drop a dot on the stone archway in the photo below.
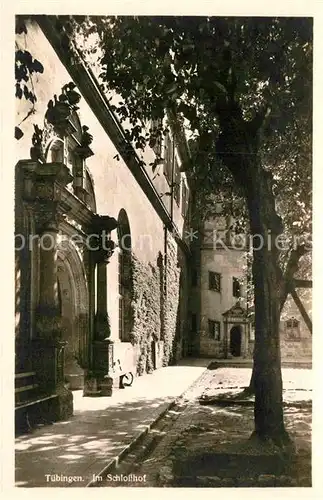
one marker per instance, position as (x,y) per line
(74,308)
(235,340)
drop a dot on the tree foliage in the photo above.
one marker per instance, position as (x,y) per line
(205,69)
(25,66)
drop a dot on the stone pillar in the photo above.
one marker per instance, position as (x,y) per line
(225,339)
(48,308)
(46,196)
(102,326)
(99,381)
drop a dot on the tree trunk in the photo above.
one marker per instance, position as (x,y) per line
(238,143)
(268,410)
(267,378)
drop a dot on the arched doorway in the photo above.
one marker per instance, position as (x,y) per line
(125,277)
(74,309)
(235,340)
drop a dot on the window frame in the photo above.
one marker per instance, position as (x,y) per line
(292,329)
(217,282)
(168,157)
(236,288)
(214,330)
(157,124)
(184,198)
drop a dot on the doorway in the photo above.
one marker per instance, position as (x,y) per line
(235,341)
(73,304)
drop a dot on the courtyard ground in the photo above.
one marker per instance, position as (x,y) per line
(101,430)
(183,449)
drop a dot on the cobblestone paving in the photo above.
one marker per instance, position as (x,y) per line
(190,430)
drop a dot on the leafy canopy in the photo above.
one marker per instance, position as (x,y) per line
(201,69)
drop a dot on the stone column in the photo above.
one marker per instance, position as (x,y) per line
(48,348)
(102,326)
(48,321)
(99,380)
(225,338)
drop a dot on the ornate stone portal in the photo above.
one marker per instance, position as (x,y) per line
(43,189)
(53,190)
(236,332)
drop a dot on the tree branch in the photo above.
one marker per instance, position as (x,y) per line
(292,266)
(303,283)
(302,309)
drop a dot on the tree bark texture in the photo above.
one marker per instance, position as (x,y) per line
(265,227)
(239,152)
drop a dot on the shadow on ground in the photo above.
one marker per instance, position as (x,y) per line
(87,437)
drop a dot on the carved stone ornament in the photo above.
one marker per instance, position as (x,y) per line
(60,109)
(48,217)
(102,225)
(36,151)
(84,151)
(72,95)
(45,191)
(48,177)
(48,326)
(105,252)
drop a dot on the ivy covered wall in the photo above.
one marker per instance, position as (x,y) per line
(159,307)
(146,311)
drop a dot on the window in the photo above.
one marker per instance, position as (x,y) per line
(168,158)
(57,151)
(214,281)
(236,291)
(176,181)
(184,199)
(214,329)
(194,322)
(157,137)
(292,329)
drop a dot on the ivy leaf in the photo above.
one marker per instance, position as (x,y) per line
(18,133)
(37,66)
(26,93)
(19,92)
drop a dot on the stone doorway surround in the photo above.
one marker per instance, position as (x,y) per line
(236,316)
(74,308)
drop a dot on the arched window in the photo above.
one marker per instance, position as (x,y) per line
(55,151)
(68,147)
(292,328)
(125,278)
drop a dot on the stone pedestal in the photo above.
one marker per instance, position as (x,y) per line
(99,381)
(91,385)
(63,405)
(48,362)
(106,385)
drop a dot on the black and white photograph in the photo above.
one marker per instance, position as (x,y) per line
(163,234)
